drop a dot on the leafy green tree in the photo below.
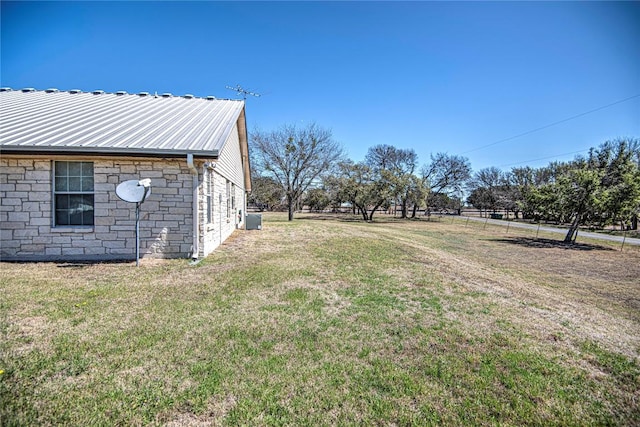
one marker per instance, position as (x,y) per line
(317,199)
(481,198)
(341,185)
(443,202)
(522,179)
(602,188)
(485,187)
(579,193)
(357,183)
(619,161)
(395,169)
(416,194)
(266,193)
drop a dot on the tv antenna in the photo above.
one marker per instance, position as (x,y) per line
(243,91)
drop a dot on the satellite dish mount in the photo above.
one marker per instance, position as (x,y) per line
(135,191)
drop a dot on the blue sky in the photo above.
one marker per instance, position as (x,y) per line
(433,76)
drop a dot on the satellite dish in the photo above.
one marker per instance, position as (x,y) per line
(135,191)
(132,191)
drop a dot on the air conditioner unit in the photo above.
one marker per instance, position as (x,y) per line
(254,222)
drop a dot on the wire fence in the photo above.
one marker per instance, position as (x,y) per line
(503,223)
(536,230)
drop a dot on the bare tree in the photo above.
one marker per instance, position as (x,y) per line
(295,158)
(446,174)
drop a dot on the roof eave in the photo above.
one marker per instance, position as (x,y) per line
(129,151)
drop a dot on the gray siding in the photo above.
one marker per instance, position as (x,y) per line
(230,160)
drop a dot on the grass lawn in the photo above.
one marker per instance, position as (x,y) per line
(330,321)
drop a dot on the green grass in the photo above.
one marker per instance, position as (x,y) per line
(324,323)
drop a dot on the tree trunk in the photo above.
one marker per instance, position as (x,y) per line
(363,211)
(634,222)
(375,208)
(403,210)
(290,204)
(415,209)
(571,234)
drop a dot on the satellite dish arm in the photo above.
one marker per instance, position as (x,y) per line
(146,183)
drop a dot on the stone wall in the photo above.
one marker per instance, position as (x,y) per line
(26,220)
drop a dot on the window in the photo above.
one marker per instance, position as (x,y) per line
(233,197)
(73,193)
(228,199)
(210,188)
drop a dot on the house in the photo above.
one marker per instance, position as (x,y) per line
(63,153)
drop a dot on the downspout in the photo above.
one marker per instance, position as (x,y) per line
(196,239)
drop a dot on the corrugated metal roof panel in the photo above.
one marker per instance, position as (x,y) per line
(115,123)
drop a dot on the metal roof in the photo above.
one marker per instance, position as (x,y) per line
(98,122)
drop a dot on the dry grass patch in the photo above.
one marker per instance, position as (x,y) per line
(329,321)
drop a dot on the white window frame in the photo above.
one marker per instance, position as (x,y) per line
(233,197)
(210,190)
(76,188)
(228,199)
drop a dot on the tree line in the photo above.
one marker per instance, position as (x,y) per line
(304,166)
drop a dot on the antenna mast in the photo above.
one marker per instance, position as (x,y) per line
(244,92)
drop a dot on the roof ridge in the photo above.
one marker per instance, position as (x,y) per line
(53,90)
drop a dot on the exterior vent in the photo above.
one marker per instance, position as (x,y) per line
(5,89)
(143,94)
(211,98)
(97,92)
(74,91)
(121,92)
(52,90)
(28,89)
(166,95)
(187,96)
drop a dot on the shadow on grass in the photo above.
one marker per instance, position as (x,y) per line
(379,219)
(85,263)
(530,242)
(70,264)
(331,217)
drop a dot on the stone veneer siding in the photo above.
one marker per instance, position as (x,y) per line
(26,221)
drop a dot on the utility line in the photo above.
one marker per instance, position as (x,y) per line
(551,124)
(544,158)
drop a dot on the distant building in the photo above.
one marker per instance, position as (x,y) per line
(62,154)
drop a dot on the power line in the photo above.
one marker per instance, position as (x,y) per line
(543,158)
(551,124)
